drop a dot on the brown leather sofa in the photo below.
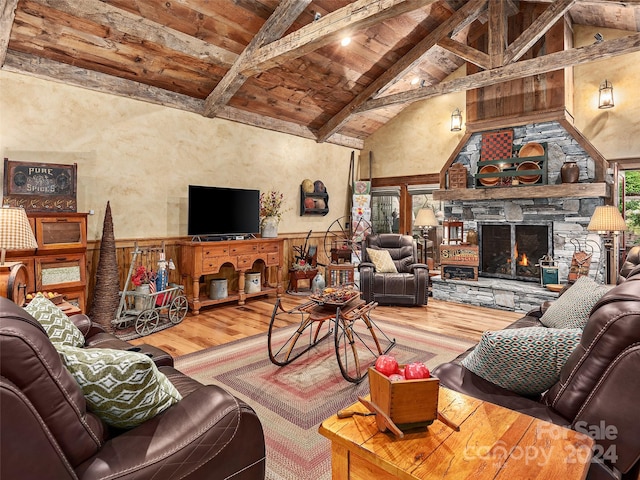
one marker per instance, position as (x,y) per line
(410,286)
(48,433)
(599,386)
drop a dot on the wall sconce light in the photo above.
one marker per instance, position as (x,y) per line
(605,95)
(456,120)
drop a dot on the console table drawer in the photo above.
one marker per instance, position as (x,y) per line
(245,261)
(243,249)
(269,247)
(273,258)
(215,251)
(212,264)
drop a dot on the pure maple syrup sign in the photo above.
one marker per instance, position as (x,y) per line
(40,187)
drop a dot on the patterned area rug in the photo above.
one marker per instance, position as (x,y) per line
(293,400)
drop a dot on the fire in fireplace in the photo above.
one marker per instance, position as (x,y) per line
(513,250)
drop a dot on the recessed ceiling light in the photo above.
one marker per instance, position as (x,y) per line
(345,41)
(415,81)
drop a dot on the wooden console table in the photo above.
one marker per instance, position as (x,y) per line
(493,443)
(207,258)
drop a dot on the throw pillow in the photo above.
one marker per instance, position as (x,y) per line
(123,388)
(61,330)
(572,308)
(382,260)
(524,360)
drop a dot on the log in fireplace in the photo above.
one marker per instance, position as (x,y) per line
(510,250)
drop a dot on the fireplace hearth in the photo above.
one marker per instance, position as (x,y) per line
(512,251)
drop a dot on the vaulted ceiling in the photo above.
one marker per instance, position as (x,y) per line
(280,65)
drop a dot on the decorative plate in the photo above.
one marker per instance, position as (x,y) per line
(489,181)
(531,149)
(524,166)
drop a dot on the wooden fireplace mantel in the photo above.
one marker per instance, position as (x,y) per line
(565,190)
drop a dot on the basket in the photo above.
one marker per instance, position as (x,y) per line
(408,403)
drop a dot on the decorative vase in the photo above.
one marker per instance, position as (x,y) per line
(570,172)
(140,302)
(318,284)
(270,227)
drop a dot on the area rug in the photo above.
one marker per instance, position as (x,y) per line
(293,400)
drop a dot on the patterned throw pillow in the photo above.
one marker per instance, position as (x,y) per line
(382,260)
(572,308)
(123,388)
(61,330)
(524,360)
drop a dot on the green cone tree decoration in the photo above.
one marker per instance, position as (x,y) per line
(106,295)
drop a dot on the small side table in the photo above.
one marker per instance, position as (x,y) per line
(295,275)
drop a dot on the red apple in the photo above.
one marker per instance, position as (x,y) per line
(416,370)
(386,365)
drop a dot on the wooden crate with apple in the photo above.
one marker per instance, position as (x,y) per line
(407,403)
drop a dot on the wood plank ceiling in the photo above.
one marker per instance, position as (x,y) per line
(280,64)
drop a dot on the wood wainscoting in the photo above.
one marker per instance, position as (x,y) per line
(125,248)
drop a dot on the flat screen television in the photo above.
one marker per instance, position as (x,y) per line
(219,211)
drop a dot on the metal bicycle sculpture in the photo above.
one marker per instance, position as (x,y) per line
(356,336)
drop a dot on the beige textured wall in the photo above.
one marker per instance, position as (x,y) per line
(615,132)
(142,157)
(418,140)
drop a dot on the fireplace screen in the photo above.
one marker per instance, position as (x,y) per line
(512,251)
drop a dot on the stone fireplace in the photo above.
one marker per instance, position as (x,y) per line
(535,220)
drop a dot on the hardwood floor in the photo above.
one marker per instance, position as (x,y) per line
(225,323)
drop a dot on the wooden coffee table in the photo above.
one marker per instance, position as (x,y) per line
(493,443)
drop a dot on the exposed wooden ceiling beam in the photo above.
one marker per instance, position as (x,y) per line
(27,64)
(536,30)
(138,27)
(513,71)
(330,28)
(7,15)
(497,32)
(466,52)
(276,25)
(465,15)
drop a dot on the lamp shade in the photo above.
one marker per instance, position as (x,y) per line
(15,231)
(607,218)
(425,218)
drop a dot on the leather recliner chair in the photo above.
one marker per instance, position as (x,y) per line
(598,388)
(410,286)
(632,261)
(47,431)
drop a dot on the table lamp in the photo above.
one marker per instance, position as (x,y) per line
(425,220)
(15,234)
(608,222)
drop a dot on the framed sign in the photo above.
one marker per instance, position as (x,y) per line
(457,272)
(40,187)
(459,255)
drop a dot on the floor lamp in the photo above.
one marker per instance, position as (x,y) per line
(608,222)
(15,234)
(425,220)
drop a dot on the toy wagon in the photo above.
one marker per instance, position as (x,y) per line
(148,302)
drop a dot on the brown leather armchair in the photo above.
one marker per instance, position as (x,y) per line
(598,388)
(47,431)
(407,287)
(632,260)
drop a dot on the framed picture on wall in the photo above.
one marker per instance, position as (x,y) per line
(40,187)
